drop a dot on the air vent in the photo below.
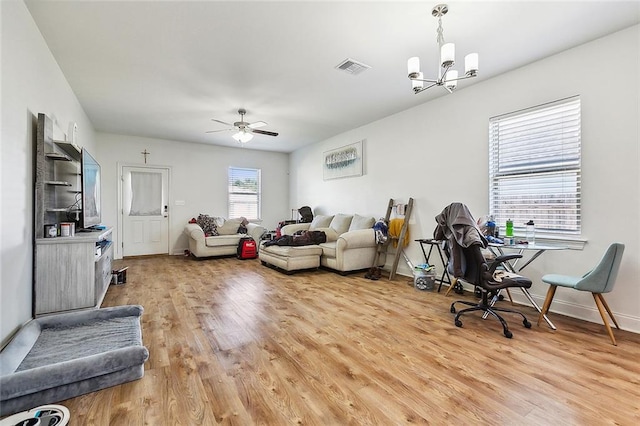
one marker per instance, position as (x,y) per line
(352,67)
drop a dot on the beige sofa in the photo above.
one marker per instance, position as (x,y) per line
(224,244)
(351,245)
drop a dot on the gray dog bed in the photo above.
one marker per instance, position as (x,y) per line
(61,356)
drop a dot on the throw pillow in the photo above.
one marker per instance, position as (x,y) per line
(320,221)
(341,223)
(361,222)
(230,226)
(208,225)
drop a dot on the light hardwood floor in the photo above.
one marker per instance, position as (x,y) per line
(234,342)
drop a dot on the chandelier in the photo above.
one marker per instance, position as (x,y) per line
(447,77)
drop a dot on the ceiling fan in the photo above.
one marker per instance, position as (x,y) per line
(244,130)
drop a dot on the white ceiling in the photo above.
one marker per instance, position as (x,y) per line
(164,69)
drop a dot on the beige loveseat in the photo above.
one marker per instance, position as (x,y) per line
(351,245)
(224,244)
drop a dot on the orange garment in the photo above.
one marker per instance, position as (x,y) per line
(395,227)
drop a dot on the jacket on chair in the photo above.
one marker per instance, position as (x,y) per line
(456,226)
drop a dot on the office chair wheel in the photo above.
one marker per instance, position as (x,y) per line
(526,323)
(453,309)
(508,334)
(458,323)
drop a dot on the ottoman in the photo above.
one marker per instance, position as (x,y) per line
(290,258)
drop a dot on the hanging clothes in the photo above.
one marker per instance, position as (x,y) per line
(382,231)
(395,228)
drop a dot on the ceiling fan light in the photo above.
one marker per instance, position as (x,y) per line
(242,137)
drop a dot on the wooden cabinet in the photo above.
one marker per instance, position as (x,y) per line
(69,273)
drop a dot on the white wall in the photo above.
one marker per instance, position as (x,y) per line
(437,153)
(198,177)
(31,83)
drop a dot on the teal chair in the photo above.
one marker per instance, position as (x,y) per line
(599,280)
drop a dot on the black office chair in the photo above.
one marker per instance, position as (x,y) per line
(479,273)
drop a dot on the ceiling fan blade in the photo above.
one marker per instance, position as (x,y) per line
(264,132)
(221,122)
(216,131)
(257,124)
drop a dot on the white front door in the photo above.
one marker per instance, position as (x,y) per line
(145,215)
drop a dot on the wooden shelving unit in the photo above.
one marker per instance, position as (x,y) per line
(67,273)
(57,179)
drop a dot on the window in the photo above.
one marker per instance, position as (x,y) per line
(534,168)
(244,193)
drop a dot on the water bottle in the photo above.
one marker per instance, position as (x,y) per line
(491,228)
(531,232)
(509,230)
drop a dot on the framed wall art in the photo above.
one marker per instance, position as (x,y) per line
(343,162)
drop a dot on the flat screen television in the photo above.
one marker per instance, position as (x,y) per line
(91,203)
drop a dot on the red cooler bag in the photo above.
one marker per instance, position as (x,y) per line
(247,248)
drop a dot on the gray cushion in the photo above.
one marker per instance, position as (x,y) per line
(329,249)
(320,221)
(230,226)
(293,251)
(341,223)
(62,344)
(223,240)
(361,222)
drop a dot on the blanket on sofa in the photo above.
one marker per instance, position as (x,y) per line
(306,238)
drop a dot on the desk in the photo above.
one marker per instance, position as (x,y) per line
(436,243)
(512,265)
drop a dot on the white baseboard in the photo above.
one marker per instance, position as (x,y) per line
(586,313)
(178,252)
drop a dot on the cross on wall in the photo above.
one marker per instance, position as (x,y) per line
(145,153)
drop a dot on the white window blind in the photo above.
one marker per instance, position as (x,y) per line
(534,168)
(244,193)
